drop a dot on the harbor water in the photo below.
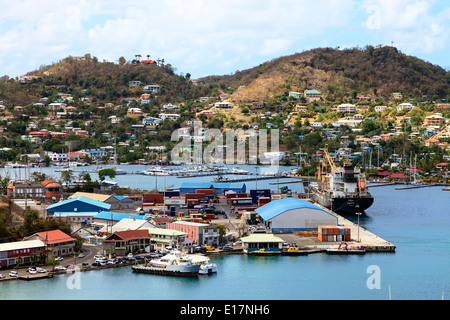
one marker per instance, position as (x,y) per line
(416,221)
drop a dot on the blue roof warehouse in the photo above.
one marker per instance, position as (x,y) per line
(219,187)
(290,215)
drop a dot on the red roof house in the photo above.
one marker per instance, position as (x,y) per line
(58,243)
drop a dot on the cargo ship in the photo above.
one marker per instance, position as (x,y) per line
(343,190)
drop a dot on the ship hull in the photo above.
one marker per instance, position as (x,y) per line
(341,205)
(180,271)
(352,205)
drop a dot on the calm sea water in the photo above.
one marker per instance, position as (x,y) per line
(416,221)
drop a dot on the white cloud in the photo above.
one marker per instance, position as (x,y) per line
(410,24)
(202,36)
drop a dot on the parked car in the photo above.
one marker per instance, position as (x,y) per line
(61,268)
(111,261)
(13,274)
(81,255)
(85,265)
(59,258)
(32,271)
(41,270)
(96,264)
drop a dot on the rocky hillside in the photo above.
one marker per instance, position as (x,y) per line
(339,73)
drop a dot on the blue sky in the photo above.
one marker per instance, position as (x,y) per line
(214,37)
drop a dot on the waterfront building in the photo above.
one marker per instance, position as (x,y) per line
(11,251)
(130,241)
(198,233)
(266,241)
(58,243)
(161,238)
(289,215)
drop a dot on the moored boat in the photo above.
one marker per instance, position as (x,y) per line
(172,264)
(293,251)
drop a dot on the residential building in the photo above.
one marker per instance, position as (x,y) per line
(380,108)
(115,119)
(346,108)
(168,116)
(312,95)
(258,105)
(295,95)
(151,121)
(171,107)
(153,88)
(397,95)
(134,83)
(223,105)
(58,157)
(25,190)
(58,243)
(433,120)
(405,105)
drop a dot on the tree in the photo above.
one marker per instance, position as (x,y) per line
(67,176)
(122,61)
(102,174)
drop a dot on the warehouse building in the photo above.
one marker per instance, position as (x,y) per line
(290,215)
(219,187)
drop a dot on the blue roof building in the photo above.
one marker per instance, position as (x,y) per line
(220,187)
(290,214)
(79,206)
(117,216)
(191,187)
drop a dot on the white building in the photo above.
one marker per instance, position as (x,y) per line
(151,121)
(405,105)
(152,88)
(346,107)
(58,157)
(223,105)
(168,116)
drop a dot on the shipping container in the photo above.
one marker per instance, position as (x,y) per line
(235,195)
(205,191)
(195,196)
(170,194)
(241,201)
(259,193)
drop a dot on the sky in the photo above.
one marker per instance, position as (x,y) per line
(214,37)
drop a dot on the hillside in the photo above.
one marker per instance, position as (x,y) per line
(338,74)
(104,81)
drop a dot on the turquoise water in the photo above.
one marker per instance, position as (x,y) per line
(416,221)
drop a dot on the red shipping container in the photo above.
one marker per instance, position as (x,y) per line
(195,196)
(205,191)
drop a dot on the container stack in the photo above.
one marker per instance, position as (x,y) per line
(333,233)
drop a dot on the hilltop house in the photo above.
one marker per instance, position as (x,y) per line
(312,95)
(152,88)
